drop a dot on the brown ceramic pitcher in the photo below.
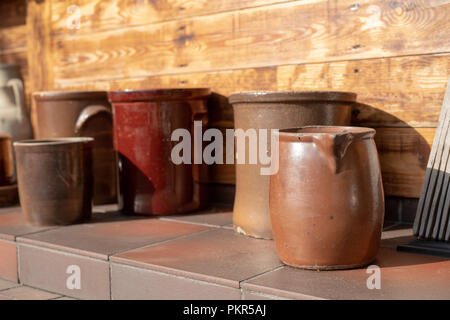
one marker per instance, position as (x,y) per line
(276,110)
(150,182)
(326,200)
(55,180)
(82,114)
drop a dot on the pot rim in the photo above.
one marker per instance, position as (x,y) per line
(291,96)
(66,141)
(69,95)
(357,132)
(162,94)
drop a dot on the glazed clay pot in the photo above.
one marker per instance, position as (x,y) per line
(14,116)
(82,114)
(55,180)
(326,201)
(6,161)
(276,110)
(150,183)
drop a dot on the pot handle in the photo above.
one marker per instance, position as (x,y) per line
(17,87)
(333,148)
(88,113)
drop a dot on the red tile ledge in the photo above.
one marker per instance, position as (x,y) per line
(402,276)
(99,240)
(138,284)
(8,260)
(218,256)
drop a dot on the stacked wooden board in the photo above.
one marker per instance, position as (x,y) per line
(432,219)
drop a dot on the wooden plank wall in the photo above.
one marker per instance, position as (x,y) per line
(394,54)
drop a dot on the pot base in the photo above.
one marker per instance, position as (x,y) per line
(330,268)
(239,230)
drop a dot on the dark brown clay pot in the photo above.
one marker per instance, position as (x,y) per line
(150,183)
(276,110)
(326,201)
(82,114)
(55,180)
(6,161)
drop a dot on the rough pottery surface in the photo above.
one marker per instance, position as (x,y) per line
(326,201)
(276,110)
(55,180)
(150,183)
(82,114)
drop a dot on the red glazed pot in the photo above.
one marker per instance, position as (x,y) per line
(326,201)
(150,183)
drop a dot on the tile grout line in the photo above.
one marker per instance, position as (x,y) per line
(260,274)
(45,290)
(396,224)
(64,249)
(158,243)
(61,249)
(18,262)
(36,232)
(110,279)
(36,288)
(6,289)
(267,295)
(195,223)
(178,276)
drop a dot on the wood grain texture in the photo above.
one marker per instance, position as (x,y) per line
(100,15)
(221,83)
(402,91)
(288,33)
(403,154)
(12,13)
(38,48)
(13,39)
(19,58)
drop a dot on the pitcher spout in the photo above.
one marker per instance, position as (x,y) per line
(333,147)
